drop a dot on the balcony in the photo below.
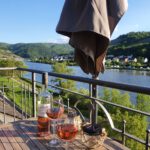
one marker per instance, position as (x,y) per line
(22,113)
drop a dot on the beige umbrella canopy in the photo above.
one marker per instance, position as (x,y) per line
(89,25)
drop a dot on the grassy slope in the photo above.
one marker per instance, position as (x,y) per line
(9,83)
(6,54)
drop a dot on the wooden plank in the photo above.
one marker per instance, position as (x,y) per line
(1,146)
(24,133)
(32,127)
(18,138)
(11,139)
(5,141)
(5,125)
(113,145)
(25,138)
(32,134)
(43,140)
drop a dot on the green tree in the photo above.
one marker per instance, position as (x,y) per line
(63,69)
(10,63)
(143,102)
(115,96)
(135,123)
(68,84)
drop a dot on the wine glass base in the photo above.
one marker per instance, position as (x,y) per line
(54,143)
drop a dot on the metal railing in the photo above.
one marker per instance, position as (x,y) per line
(12,107)
(97,102)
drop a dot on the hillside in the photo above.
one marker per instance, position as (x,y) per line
(36,50)
(6,54)
(134,43)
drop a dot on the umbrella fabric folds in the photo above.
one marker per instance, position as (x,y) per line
(89,25)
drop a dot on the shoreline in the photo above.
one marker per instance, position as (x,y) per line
(119,68)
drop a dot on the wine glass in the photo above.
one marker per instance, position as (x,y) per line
(54,113)
(67,129)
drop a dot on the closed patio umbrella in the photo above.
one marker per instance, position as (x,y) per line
(89,25)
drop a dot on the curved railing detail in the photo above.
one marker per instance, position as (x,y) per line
(107,114)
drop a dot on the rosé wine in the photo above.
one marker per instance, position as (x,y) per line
(43,126)
(55,113)
(67,131)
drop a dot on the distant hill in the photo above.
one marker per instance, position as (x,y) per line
(36,50)
(133,43)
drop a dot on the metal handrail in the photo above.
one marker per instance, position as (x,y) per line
(8,68)
(120,86)
(103,101)
(108,116)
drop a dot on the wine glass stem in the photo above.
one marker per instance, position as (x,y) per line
(53,129)
(67,146)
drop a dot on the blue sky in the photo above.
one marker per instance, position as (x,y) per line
(36,20)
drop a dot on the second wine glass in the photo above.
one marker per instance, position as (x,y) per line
(68,129)
(54,113)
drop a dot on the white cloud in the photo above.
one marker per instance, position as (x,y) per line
(63,39)
(60,39)
(51,41)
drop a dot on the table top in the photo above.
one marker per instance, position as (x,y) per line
(22,135)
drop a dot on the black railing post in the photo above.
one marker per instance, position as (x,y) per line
(94,94)
(45,79)
(14,106)
(90,95)
(90,90)
(123,133)
(68,104)
(25,99)
(22,100)
(29,108)
(147,139)
(34,94)
(3,94)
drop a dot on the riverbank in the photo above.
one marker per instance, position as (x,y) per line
(72,63)
(129,68)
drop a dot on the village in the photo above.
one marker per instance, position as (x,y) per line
(111,61)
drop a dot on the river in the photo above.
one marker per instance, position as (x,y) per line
(134,77)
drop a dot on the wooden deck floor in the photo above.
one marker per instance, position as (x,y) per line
(22,135)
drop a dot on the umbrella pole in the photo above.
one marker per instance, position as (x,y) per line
(94,94)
